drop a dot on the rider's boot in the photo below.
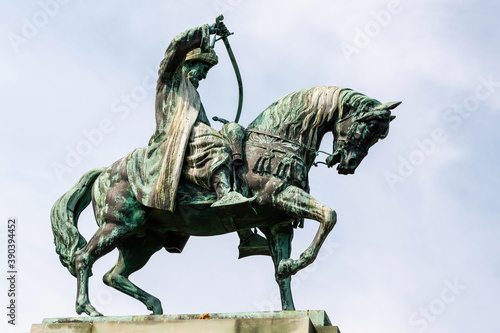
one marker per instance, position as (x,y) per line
(227,200)
(221,183)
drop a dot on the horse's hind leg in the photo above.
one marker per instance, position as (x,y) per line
(299,203)
(280,245)
(134,254)
(119,216)
(107,237)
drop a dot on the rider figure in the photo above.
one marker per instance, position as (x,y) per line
(184,143)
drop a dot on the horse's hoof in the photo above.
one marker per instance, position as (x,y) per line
(89,310)
(158,313)
(285,268)
(155,306)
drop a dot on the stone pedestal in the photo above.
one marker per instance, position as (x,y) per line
(245,322)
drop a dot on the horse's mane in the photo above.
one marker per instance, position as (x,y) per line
(304,111)
(353,101)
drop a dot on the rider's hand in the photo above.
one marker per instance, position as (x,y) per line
(220,29)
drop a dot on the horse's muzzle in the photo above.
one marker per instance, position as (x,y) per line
(348,165)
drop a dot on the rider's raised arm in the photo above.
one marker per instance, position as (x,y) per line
(179,47)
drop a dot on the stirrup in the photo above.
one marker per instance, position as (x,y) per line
(253,246)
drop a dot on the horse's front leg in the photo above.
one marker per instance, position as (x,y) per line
(299,203)
(279,238)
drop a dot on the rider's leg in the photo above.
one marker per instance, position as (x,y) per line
(221,184)
(250,243)
(208,163)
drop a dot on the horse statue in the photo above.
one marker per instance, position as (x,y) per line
(281,145)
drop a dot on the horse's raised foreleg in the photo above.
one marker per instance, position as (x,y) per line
(299,203)
(279,238)
(134,253)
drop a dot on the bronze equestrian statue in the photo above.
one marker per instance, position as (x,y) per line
(194,181)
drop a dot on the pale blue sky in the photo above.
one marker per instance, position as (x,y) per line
(416,246)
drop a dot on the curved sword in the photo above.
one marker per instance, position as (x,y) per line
(235,66)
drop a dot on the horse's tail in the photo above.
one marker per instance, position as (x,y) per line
(64,217)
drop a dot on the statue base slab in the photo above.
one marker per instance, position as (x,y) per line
(314,321)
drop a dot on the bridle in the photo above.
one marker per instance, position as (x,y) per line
(349,140)
(341,143)
(349,136)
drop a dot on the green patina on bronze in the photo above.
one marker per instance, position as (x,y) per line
(158,196)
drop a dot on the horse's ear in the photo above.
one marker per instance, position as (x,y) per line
(388,105)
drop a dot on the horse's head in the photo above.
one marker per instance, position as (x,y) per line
(356,133)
